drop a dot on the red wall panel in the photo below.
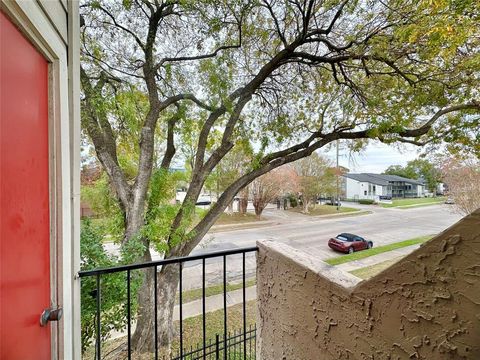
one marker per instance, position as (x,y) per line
(24,204)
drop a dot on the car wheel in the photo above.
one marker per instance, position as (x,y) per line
(370,245)
(351,250)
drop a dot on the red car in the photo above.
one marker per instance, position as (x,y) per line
(349,243)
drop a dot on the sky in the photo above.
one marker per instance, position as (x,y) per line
(375,158)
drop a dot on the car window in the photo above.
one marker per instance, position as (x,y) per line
(342,237)
(358,238)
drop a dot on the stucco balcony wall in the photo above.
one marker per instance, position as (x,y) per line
(427,306)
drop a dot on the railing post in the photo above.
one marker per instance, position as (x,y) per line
(217,348)
(99,327)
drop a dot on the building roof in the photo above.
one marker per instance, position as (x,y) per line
(380,179)
(366,178)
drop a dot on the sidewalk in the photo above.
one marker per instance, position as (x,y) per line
(375,259)
(194,308)
(214,303)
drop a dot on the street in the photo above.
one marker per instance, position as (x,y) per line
(310,234)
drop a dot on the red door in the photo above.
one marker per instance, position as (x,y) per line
(24,203)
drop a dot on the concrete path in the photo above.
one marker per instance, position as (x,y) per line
(194,308)
(214,303)
(375,259)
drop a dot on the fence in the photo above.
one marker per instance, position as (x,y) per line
(236,345)
(240,345)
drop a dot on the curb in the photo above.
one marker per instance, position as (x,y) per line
(352,213)
(239,226)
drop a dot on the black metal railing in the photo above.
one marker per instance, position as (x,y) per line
(221,351)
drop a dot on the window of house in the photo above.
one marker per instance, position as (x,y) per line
(374,189)
(365,192)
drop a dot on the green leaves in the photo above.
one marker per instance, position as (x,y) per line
(113,286)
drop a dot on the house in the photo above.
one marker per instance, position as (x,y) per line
(440,189)
(372,186)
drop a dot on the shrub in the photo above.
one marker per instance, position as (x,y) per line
(293,201)
(366,201)
(113,286)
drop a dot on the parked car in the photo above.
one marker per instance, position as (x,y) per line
(333,202)
(349,243)
(449,201)
(203,200)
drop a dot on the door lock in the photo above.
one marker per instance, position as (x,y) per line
(50,315)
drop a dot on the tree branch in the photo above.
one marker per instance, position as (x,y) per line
(120,26)
(103,140)
(170,151)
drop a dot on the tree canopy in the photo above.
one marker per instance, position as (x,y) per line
(418,169)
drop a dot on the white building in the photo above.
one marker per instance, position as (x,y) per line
(374,186)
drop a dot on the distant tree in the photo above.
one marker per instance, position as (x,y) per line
(243,200)
(463,180)
(267,187)
(316,177)
(418,168)
(399,170)
(232,166)
(423,168)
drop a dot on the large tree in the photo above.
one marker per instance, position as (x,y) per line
(159,72)
(316,178)
(274,184)
(462,176)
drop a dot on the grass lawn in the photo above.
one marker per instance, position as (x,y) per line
(195,294)
(376,250)
(192,334)
(369,271)
(236,218)
(192,327)
(324,210)
(415,201)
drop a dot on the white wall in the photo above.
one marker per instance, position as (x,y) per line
(356,190)
(352,188)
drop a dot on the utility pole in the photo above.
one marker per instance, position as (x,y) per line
(338,174)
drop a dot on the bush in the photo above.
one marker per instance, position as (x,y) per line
(293,201)
(366,201)
(113,286)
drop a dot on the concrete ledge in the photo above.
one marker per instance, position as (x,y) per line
(309,263)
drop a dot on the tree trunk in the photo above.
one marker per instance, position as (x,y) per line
(259,205)
(306,204)
(243,201)
(143,340)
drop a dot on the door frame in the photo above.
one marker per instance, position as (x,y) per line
(64,165)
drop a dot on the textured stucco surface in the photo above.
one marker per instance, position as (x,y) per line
(427,306)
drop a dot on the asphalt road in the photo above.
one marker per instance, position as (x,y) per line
(310,234)
(383,226)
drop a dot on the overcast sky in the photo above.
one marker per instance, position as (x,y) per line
(375,158)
